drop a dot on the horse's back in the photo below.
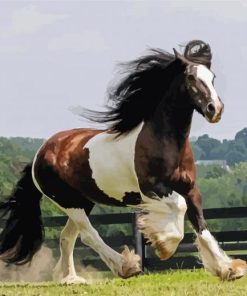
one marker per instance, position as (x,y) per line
(59,150)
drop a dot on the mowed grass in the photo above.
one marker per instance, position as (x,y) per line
(171,283)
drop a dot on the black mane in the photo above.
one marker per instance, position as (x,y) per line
(147,78)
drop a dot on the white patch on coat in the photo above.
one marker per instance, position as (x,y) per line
(64,272)
(163,225)
(112,162)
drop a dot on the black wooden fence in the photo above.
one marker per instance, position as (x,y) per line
(186,255)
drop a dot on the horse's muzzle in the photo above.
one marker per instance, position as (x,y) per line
(214,111)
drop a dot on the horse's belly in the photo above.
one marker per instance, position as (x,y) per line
(112,163)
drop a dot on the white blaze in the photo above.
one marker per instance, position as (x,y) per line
(205,75)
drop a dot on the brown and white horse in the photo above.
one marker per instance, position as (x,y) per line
(143,160)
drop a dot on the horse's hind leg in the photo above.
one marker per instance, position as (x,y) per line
(64,271)
(124,265)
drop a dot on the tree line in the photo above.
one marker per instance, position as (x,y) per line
(233,151)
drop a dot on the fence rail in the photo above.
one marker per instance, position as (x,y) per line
(231,241)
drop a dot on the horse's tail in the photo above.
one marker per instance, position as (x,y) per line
(23,233)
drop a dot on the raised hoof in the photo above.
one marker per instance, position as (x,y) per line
(70,280)
(161,251)
(130,265)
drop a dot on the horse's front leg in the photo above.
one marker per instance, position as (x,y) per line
(214,259)
(162,222)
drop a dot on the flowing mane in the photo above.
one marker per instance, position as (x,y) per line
(146,80)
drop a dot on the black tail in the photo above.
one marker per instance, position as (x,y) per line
(23,233)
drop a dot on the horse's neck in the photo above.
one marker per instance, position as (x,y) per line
(172,121)
(162,141)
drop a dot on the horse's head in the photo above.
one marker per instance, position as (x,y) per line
(199,81)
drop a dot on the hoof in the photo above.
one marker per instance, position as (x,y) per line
(141,273)
(130,266)
(69,280)
(138,273)
(165,244)
(162,251)
(236,270)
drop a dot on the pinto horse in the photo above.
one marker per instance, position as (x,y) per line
(142,160)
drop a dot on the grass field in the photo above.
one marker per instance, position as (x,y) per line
(169,283)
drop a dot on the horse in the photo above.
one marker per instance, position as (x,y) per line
(142,159)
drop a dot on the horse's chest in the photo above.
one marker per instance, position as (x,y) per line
(112,164)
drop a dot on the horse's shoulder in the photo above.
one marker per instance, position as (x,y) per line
(186,155)
(183,177)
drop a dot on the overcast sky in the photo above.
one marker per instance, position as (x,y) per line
(57,55)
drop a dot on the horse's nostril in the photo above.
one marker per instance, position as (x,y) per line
(211,108)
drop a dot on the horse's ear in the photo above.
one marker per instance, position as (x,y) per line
(181,57)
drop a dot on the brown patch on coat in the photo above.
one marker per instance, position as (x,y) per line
(183,177)
(61,166)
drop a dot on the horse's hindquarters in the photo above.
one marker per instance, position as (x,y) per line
(61,165)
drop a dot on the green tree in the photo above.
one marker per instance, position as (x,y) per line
(207,144)
(241,136)
(198,151)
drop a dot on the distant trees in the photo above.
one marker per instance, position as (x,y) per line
(233,151)
(210,171)
(14,154)
(228,189)
(221,188)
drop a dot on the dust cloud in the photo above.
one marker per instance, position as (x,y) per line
(41,269)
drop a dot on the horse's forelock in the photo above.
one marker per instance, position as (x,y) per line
(199,52)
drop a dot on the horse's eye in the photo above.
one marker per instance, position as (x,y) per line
(190,77)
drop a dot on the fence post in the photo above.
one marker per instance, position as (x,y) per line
(139,241)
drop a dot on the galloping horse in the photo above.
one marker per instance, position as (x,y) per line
(142,160)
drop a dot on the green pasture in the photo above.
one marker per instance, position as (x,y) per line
(196,282)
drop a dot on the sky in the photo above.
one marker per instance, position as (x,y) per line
(56,56)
